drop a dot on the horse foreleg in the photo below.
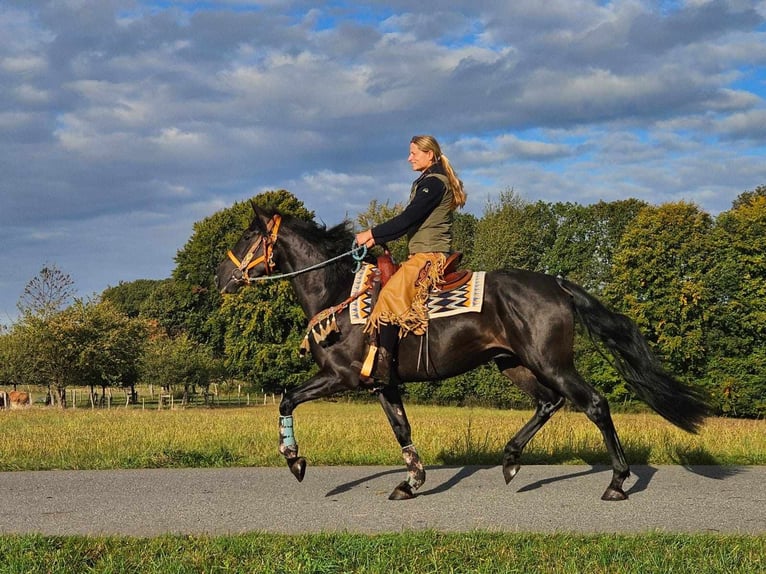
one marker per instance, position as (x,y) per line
(321,385)
(391,400)
(288,447)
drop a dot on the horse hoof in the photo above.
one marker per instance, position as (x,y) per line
(298,467)
(614,494)
(510,471)
(402,492)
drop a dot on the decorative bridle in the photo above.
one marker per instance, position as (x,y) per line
(249,261)
(266,242)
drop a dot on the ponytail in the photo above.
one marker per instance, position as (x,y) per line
(429,143)
(455,185)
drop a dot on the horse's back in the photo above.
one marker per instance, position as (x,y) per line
(524,288)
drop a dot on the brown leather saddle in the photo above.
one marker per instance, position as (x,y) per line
(453,277)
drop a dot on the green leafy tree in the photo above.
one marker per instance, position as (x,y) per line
(129,296)
(586,236)
(513,234)
(193,291)
(178,363)
(262,328)
(737,281)
(87,343)
(178,307)
(463,234)
(658,280)
(748,197)
(111,345)
(14,357)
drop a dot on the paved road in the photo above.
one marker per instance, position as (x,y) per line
(355,499)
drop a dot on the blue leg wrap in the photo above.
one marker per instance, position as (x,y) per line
(286,435)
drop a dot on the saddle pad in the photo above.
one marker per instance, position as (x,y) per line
(467,298)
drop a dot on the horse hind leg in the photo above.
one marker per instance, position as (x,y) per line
(548,402)
(596,408)
(391,400)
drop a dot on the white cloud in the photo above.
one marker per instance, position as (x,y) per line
(143,118)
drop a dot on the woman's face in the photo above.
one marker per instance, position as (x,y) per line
(419,159)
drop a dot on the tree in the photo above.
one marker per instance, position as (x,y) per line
(463,234)
(737,319)
(46,293)
(111,345)
(129,297)
(658,280)
(262,328)
(178,362)
(88,343)
(748,197)
(513,234)
(586,236)
(192,290)
(14,362)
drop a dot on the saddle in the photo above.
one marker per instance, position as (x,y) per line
(453,277)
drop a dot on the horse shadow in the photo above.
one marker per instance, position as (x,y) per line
(697,461)
(644,475)
(461,474)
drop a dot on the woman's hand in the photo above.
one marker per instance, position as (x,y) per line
(365,238)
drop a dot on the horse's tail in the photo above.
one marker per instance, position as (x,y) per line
(680,404)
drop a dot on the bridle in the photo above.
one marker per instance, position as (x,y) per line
(266,242)
(249,261)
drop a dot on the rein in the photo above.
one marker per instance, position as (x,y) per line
(358,252)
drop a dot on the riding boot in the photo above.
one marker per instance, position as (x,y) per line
(384,371)
(385,367)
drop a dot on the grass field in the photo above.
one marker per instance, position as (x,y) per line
(349,433)
(353,433)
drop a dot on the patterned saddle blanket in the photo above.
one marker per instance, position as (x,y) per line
(466,298)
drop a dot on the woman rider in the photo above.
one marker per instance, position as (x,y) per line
(427,222)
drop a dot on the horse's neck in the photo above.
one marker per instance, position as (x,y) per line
(313,289)
(314,294)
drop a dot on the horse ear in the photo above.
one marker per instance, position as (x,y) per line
(260,219)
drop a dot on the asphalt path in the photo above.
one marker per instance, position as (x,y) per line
(355,499)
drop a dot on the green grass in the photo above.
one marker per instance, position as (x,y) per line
(349,433)
(407,552)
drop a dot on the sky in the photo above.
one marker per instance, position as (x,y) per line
(123,122)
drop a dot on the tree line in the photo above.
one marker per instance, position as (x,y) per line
(694,283)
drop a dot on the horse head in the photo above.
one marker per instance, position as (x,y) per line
(252,255)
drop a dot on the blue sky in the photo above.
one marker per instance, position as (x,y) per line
(123,122)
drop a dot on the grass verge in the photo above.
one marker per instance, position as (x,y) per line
(408,552)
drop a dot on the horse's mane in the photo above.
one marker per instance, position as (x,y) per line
(331,242)
(327,242)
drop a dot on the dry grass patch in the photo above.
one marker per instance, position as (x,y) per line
(350,433)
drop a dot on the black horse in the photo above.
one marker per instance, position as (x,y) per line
(526,327)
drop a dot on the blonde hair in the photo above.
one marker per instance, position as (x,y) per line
(429,143)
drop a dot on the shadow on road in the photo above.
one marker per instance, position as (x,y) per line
(341,488)
(554,479)
(642,474)
(461,474)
